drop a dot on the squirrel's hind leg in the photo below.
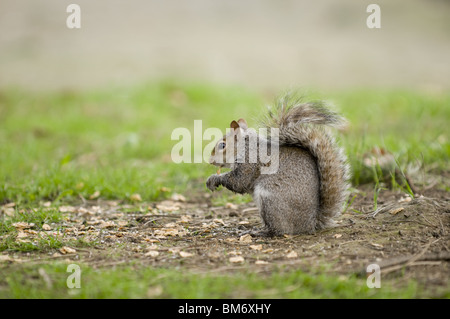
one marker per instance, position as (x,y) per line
(282,215)
(267,207)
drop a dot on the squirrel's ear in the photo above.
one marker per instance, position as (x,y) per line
(243,124)
(234,125)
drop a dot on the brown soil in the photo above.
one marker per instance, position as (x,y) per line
(408,238)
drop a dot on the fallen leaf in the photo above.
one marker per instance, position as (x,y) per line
(152,253)
(136,198)
(4,258)
(170,225)
(107,224)
(219,221)
(96,209)
(256,247)
(261,262)
(185,219)
(395,211)
(95,195)
(151,240)
(268,250)
(66,209)
(244,222)
(84,212)
(236,259)
(67,250)
(185,254)
(122,223)
(23,225)
(292,254)
(178,197)
(405,199)
(245,239)
(231,206)
(166,232)
(46,227)
(337,236)
(209,225)
(168,209)
(21,234)
(23,240)
(8,211)
(95,222)
(376,245)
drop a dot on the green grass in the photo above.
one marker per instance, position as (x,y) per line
(37,216)
(410,125)
(134,281)
(57,146)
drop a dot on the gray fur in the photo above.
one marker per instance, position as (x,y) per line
(311,183)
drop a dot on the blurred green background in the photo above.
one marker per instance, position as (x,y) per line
(57,146)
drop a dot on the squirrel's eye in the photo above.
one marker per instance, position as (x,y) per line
(221,145)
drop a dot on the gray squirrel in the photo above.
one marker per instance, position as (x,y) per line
(308,185)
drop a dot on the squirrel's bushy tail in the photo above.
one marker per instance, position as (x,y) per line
(306,125)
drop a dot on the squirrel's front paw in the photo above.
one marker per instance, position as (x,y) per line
(212,182)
